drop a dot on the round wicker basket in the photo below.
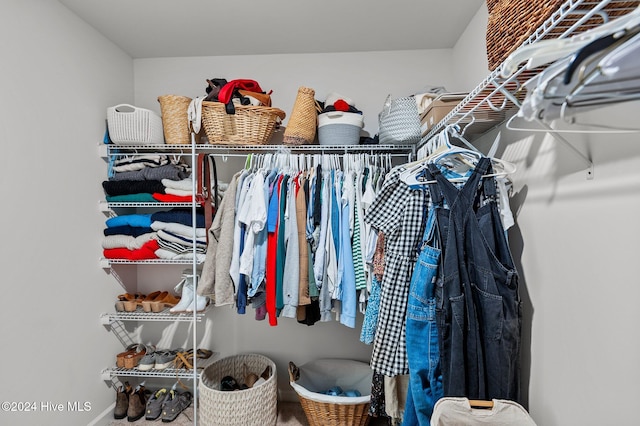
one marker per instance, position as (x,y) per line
(256,406)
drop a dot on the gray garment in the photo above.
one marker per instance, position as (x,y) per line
(168,171)
(215,280)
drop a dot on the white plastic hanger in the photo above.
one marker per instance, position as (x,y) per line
(549,50)
(456,156)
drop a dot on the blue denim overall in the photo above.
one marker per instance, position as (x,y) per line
(423,353)
(478,309)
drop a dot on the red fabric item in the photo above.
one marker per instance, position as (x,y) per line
(146,252)
(341,105)
(170,198)
(226,92)
(270,267)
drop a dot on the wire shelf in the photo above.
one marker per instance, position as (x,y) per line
(140,315)
(230,149)
(169,373)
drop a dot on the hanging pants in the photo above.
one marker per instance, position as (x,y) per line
(423,353)
(478,310)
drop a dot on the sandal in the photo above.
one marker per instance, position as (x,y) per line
(132,359)
(131,349)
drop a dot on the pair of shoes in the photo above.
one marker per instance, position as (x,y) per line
(168,404)
(122,401)
(128,300)
(184,359)
(137,403)
(190,300)
(159,303)
(130,357)
(158,359)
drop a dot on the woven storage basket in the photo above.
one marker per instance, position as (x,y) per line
(324,410)
(175,120)
(257,406)
(128,124)
(250,125)
(301,128)
(512,22)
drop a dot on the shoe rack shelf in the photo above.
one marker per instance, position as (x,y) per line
(168,373)
(111,317)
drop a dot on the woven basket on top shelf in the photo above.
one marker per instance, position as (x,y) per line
(250,125)
(175,119)
(512,22)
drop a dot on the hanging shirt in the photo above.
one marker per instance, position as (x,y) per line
(290,282)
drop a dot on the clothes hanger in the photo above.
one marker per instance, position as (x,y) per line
(480,403)
(459,158)
(549,50)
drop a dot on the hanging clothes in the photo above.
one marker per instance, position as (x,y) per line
(398,212)
(477,301)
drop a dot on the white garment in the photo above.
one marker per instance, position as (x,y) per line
(454,411)
(253,213)
(234,268)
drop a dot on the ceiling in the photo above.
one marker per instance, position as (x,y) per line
(181,28)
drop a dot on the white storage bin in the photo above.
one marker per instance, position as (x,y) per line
(128,124)
(339,128)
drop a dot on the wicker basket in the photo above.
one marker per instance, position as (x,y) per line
(257,406)
(301,128)
(323,410)
(175,121)
(128,124)
(250,125)
(512,22)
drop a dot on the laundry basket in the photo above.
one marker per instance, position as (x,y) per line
(313,379)
(256,406)
(128,124)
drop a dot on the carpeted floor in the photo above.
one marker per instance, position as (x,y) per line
(289,414)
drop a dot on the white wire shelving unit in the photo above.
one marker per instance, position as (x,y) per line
(489,103)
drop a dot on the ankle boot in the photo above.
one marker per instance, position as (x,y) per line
(137,404)
(122,401)
(189,299)
(186,287)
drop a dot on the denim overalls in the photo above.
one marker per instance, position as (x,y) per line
(423,353)
(478,310)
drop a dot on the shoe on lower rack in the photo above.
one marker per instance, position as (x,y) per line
(174,404)
(122,401)
(137,404)
(155,404)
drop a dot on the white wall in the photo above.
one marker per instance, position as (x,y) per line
(575,242)
(57,78)
(365,77)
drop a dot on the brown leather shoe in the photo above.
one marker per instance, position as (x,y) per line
(122,401)
(137,404)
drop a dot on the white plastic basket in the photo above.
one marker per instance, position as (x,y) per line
(128,124)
